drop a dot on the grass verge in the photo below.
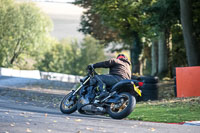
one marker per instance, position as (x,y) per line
(169,111)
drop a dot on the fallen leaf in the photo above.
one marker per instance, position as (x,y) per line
(26,116)
(22,114)
(152,129)
(45,114)
(28,130)
(133,126)
(89,128)
(67,118)
(102,129)
(79,132)
(78,120)
(6,113)
(49,130)
(12,124)
(55,121)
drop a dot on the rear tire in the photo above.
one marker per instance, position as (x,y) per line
(125,109)
(67,109)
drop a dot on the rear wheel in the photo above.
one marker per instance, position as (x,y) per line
(123,108)
(68,105)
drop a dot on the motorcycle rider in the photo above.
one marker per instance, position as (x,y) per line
(119,69)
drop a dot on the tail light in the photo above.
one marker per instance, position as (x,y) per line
(140,83)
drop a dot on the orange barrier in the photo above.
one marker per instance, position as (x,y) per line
(188,81)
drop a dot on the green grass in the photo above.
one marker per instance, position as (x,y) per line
(169,111)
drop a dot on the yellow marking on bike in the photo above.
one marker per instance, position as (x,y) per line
(137,90)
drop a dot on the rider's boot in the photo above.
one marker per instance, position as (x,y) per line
(103,93)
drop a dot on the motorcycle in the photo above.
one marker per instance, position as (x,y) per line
(118,104)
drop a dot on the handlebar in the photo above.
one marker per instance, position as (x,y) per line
(92,71)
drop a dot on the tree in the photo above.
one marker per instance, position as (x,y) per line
(161,16)
(179,58)
(91,23)
(71,57)
(190,39)
(134,21)
(23,26)
(162,54)
(154,57)
(91,52)
(122,18)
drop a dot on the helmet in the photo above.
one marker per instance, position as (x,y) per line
(121,56)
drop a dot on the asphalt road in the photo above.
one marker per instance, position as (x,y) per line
(23,117)
(19,114)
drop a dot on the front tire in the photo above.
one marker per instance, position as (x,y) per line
(124,108)
(68,106)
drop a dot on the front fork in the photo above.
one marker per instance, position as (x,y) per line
(71,99)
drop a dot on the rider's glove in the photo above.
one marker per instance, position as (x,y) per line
(90,67)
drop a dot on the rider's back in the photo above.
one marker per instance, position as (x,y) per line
(120,67)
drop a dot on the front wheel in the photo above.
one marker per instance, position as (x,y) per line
(123,108)
(68,105)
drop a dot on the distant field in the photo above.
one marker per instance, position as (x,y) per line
(66,19)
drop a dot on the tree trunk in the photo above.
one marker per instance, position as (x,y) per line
(162,55)
(154,58)
(135,53)
(192,48)
(16,52)
(170,54)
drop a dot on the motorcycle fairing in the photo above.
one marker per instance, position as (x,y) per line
(126,86)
